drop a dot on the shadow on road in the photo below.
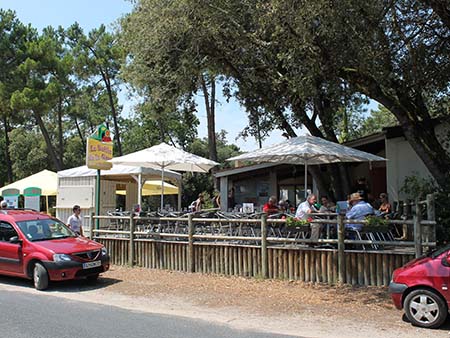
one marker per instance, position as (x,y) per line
(79,285)
(444,327)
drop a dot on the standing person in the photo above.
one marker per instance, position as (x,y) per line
(231,201)
(216,200)
(362,188)
(75,222)
(199,202)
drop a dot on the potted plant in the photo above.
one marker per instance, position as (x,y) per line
(375,224)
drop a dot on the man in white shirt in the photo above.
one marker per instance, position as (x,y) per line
(305,208)
(75,222)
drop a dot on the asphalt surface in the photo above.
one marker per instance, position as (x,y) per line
(25,315)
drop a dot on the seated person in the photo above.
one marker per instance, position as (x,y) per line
(271,207)
(327,205)
(359,209)
(385,207)
(284,206)
(197,204)
(308,207)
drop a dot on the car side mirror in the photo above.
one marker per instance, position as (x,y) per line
(15,240)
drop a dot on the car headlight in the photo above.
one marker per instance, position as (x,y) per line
(61,258)
(104,251)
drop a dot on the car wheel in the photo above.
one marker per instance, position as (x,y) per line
(40,277)
(425,308)
(92,278)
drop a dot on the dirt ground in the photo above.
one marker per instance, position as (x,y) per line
(289,307)
(284,307)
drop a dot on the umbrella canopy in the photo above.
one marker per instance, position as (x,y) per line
(154,187)
(167,157)
(46,180)
(307,150)
(164,156)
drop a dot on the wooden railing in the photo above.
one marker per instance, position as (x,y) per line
(254,249)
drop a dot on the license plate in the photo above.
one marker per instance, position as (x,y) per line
(90,265)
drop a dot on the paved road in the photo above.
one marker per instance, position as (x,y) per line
(25,315)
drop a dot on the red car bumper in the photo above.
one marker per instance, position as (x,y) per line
(396,290)
(58,271)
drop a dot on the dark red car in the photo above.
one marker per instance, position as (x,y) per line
(42,248)
(421,287)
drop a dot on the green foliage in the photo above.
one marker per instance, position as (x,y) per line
(28,153)
(375,224)
(296,222)
(294,64)
(418,187)
(377,120)
(75,152)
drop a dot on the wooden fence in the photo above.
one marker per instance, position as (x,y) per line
(260,254)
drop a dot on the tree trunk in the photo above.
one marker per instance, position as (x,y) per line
(113,112)
(50,148)
(7,144)
(60,133)
(210,115)
(80,134)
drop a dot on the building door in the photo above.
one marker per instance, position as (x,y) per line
(378,181)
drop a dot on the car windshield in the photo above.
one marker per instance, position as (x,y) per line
(438,252)
(44,229)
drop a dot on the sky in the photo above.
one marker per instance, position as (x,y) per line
(230,116)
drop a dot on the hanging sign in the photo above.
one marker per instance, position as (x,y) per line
(11,196)
(99,149)
(32,198)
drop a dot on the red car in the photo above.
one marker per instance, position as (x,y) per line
(421,287)
(42,248)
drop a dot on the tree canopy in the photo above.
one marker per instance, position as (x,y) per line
(304,63)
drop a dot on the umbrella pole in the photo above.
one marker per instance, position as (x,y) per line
(162,189)
(306,180)
(140,190)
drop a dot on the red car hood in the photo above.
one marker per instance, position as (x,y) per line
(417,261)
(69,245)
(420,266)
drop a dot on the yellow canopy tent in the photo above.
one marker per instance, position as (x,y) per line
(46,180)
(154,187)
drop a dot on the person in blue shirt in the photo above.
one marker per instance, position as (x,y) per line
(359,210)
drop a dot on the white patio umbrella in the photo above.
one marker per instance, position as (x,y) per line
(164,156)
(307,150)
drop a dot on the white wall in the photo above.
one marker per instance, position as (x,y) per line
(403,161)
(75,190)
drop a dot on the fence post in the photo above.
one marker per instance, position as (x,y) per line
(91,226)
(191,266)
(431,216)
(131,248)
(264,262)
(341,249)
(417,230)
